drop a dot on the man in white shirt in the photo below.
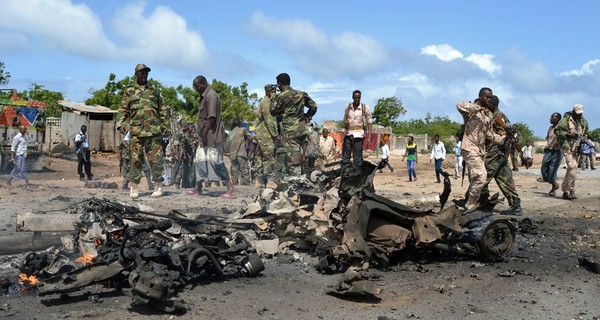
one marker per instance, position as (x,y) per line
(438,152)
(82,146)
(385,156)
(458,158)
(18,153)
(527,154)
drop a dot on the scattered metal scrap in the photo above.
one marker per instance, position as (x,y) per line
(150,259)
(338,216)
(335,215)
(351,225)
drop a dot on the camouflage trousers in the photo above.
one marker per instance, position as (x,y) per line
(289,159)
(477,174)
(568,184)
(265,160)
(240,173)
(497,168)
(126,168)
(153,147)
(513,159)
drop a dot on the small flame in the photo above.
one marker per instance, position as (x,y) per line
(87,258)
(32,280)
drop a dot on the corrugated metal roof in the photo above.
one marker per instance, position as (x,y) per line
(82,107)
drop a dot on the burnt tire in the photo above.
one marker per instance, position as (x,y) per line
(497,240)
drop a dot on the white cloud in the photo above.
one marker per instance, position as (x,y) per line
(586,69)
(323,87)
(346,54)
(444,52)
(447,53)
(160,37)
(484,62)
(60,24)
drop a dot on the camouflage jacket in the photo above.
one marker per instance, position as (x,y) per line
(569,124)
(188,146)
(290,106)
(142,112)
(312,146)
(266,127)
(493,148)
(236,143)
(478,128)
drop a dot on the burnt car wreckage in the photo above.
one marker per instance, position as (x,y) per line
(335,215)
(120,246)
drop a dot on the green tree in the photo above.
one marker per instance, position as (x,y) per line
(38,92)
(430,125)
(594,135)
(4,75)
(189,105)
(237,102)
(110,95)
(525,133)
(387,110)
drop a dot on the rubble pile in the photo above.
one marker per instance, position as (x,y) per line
(335,215)
(150,259)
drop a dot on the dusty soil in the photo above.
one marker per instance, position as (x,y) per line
(540,279)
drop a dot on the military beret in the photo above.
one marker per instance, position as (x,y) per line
(141,67)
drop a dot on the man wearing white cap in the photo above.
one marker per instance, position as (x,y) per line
(570,132)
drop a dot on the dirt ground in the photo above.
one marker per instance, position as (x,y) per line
(540,278)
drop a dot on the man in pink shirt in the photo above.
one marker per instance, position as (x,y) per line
(357,116)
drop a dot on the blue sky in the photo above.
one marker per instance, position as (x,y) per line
(538,57)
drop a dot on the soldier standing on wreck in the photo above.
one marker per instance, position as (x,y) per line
(142,114)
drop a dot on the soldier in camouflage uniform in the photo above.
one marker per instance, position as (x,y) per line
(125,164)
(312,148)
(142,114)
(570,131)
(176,145)
(497,164)
(289,105)
(235,145)
(186,174)
(265,134)
(478,129)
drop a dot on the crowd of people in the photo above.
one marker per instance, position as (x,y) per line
(286,142)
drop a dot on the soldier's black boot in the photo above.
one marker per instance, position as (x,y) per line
(515,209)
(149,180)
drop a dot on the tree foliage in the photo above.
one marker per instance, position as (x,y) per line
(594,135)
(525,133)
(110,95)
(4,75)
(38,92)
(387,110)
(430,125)
(237,102)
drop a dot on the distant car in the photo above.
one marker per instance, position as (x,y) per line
(597,155)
